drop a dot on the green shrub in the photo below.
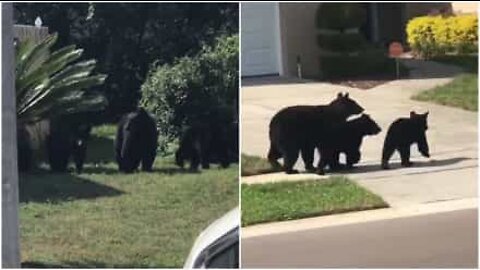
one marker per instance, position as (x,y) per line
(340,16)
(341,42)
(202,88)
(431,36)
(338,25)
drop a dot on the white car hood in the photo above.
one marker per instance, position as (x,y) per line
(214,231)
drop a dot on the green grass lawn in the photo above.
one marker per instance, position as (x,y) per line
(301,199)
(103,218)
(462,92)
(253,165)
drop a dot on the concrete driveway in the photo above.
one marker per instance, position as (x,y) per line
(450,173)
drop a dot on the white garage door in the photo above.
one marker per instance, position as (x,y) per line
(259,39)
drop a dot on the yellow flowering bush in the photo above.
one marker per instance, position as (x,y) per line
(436,35)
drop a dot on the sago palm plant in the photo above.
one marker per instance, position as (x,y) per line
(49,83)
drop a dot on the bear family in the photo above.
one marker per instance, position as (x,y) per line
(136,141)
(401,134)
(68,137)
(207,143)
(300,129)
(348,140)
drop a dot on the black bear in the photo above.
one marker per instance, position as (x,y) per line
(136,141)
(401,134)
(348,139)
(301,128)
(68,137)
(208,143)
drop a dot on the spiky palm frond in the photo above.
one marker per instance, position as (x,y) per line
(50,83)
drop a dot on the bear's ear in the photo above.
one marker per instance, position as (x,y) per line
(339,95)
(426,114)
(412,114)
(346,95)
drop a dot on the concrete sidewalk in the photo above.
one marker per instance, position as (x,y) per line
(450,174)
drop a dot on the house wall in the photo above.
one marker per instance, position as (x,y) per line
(464,7)
(298,38)
(298,31)
(421,9)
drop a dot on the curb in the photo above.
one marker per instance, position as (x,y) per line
(357,217)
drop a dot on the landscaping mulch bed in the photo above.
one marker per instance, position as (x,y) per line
(365,83)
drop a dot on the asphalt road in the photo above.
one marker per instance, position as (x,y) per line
(447,239)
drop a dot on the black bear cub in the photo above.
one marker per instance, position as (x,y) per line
(348,139)
(68,137)
(402,134)
(299,129)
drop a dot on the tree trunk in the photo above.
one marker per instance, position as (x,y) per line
(10,237)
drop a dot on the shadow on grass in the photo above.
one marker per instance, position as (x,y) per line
(100,170)
(55,187)
(89,264)
(171,170)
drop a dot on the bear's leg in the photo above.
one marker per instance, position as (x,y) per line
(225,160)
(130,164)
(274,155)
(386,155)
(423,146)
(290,158)
(205,157)
(223,154)
(179,158)
(334,161)
(148,159)
(405,156)
(307,152)
(194,159)
(79,152)
(205,151)
(326,156)
(353,158)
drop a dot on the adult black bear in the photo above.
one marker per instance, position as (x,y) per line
(68,137)
(136,141)
(208,143)
(301,128)
(348,139)
(402,134)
